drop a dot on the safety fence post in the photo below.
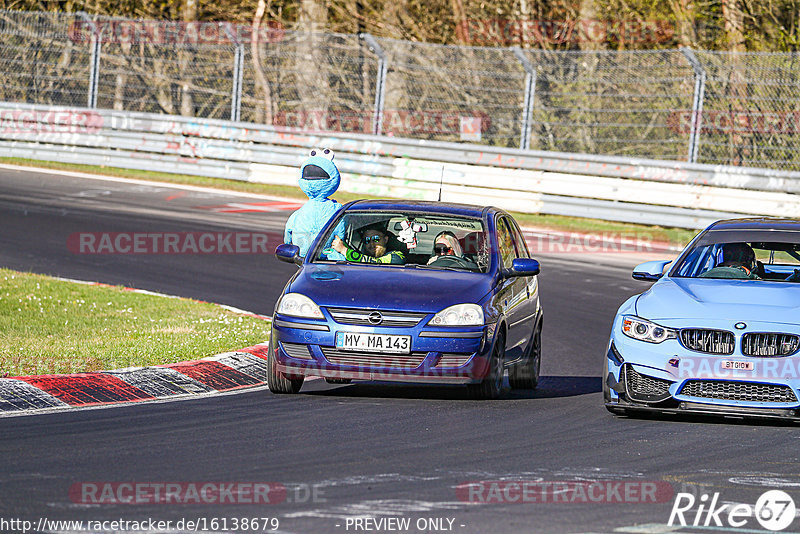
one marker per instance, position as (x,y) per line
(528,100)
(94,61)
(697,103)
(380,82)
(238,68)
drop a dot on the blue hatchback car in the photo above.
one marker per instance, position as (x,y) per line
(719,332)
(412,292)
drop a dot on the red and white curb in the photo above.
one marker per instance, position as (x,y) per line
(226,372)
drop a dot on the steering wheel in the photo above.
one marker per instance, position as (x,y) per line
(453,261)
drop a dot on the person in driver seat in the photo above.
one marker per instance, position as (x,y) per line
(738,262)
(377,242)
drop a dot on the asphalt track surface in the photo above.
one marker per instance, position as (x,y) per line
(360,450)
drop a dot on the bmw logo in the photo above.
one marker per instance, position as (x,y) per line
(740,326)
(375,318)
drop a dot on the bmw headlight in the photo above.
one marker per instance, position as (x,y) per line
(459,315)
(644,330)
(298,305)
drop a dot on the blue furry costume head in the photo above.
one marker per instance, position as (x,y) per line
(319,178)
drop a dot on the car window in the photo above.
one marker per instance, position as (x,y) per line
(519,241)
(505,243)
(775,261)
(411,234)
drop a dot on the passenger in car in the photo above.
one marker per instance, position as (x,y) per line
(376,242)
(445,244)
(447,252)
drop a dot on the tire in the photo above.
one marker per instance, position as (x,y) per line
(489,388)
(525,375)
(277,381)
(338,380)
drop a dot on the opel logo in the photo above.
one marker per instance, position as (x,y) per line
(375,318)
(740,326)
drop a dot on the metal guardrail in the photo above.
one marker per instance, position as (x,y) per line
(618,189)
(694,105)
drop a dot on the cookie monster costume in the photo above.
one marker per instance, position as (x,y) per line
(319,178)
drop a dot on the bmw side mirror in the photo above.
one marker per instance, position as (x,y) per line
(289,253)
(523,267)
(650,271)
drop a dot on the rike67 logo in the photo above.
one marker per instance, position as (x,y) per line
(774,510)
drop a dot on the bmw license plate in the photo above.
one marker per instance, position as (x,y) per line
(373,342)
(737,366)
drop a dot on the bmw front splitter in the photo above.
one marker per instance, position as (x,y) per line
(694,408)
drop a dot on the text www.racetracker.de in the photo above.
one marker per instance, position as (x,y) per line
(198,524)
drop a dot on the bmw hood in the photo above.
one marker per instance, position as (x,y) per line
(699,298)
(389,288)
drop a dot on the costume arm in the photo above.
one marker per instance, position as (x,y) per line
(287,233)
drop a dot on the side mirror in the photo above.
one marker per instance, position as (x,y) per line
(289,253)
(650,271)
(523,267)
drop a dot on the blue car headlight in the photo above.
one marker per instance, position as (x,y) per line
(644,330)
(298,305)
(459,315)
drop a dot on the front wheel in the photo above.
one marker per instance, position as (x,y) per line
(525,375)
(490,387)
(277,381)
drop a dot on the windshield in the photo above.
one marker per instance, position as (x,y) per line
(743,255)
(409,239)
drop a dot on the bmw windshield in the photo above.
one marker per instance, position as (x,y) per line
(772,256)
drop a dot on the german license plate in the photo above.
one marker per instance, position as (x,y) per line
(373,342)
(737,366)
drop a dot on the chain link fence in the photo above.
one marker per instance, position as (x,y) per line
(685,105)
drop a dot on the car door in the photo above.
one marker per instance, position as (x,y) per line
(513,293)
(529,306)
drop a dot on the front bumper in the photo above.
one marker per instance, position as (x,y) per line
(669,379)
(438,355)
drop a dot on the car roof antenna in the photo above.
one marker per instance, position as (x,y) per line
(441,179)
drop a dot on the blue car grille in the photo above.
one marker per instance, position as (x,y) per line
(708,341)
(371,359)
(645,388)
(297,350)
(453,359)
(770,344)
(739,391)
(360,316)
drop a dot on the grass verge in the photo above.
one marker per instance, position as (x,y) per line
(53,326)
(674,236)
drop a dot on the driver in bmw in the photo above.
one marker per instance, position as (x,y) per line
(737,261)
